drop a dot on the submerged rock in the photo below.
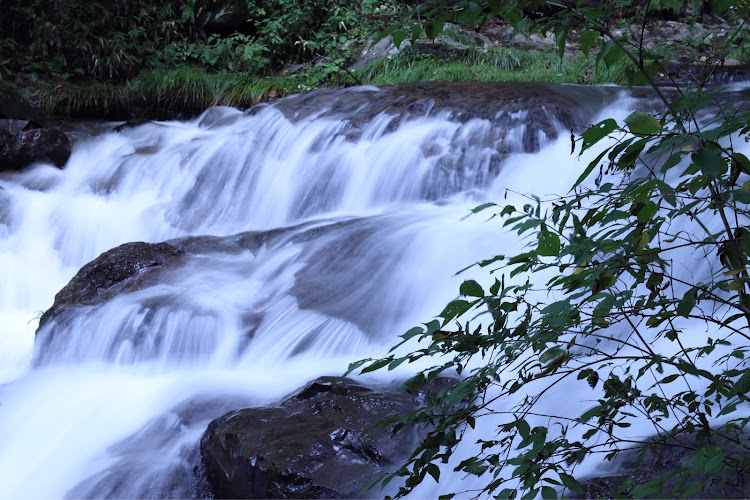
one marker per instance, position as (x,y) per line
(319,443)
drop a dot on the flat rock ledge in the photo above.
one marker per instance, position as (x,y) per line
(319,443)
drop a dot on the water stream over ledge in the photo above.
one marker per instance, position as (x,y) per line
(334,221)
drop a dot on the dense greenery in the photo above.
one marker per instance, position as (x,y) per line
(113,40)
(117,60)
(634,286)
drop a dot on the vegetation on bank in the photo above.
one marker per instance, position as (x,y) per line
(191,90)
(116,60)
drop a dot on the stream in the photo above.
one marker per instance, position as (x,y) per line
(353,207)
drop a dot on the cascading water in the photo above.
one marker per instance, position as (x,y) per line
(331,227)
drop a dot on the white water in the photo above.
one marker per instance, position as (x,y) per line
(115,403)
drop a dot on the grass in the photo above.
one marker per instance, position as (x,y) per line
(497,64)
(191,90)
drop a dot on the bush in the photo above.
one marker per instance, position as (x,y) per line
(635,284)
(114,40)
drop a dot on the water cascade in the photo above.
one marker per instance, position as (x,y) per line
(300,236)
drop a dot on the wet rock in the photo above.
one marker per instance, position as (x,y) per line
(532,108)
(20,149)
(113,272)
(319,443)
(227,22)
(630,469)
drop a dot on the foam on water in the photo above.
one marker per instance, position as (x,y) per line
(358,240)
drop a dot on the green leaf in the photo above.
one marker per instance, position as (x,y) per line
(398,38)
(434,471)
(687,303)
(587,40)
(741,196)
(560,39)
(647,212)
(549,493)
(640,123)
(413,332)
(722,6)
(710,161)
(496,6)
(643,241)
(482,207)
(610,54)
(549,244)
(454,309)
(377,365)
(471,288)
(596,132)
(589,169)
(742,386)
(571,483)
(728,409)
(396,363)
(550,354)
(523,428)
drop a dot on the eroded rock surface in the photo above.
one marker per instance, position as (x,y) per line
(111,273)
(531,108)
(319,443)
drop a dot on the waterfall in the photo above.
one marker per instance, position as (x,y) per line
(313,232)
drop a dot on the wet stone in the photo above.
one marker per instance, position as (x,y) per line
(319,443)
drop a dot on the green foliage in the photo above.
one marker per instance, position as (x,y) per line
(635,283)
(111,40)
(498,64)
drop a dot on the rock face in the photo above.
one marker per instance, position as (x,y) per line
(658,462)
(319,443)
(31,145)
(112,273)
(529,109)
(25,139)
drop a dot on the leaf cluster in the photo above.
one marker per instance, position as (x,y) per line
(634,286)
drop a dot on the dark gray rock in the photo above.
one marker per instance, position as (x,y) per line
(534,107)
(114,272)
(20,149)
(636,467)
(319,443)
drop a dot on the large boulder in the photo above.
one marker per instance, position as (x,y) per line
(25,137)
(319,443)
(30,145)
(125,268)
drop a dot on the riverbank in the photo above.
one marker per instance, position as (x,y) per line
(497,52)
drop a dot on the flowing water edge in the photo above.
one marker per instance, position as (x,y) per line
(357,202)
